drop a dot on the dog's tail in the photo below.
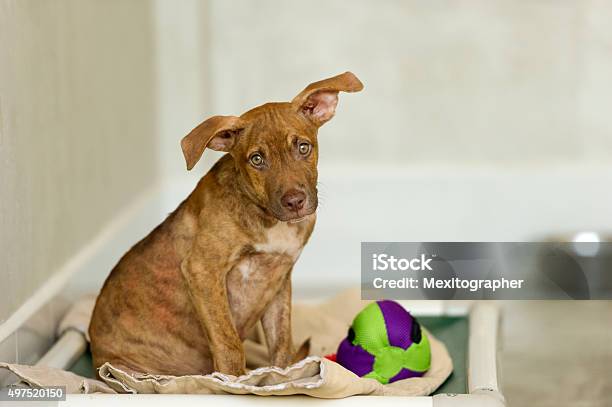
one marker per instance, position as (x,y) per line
(302,352)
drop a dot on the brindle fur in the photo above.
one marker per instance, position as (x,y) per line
(182,300)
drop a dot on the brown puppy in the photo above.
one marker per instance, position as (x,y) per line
(182,300)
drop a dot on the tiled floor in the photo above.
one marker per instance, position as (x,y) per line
(557,353)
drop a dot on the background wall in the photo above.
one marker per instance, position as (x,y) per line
(494,83)
(78,133)
(182,82)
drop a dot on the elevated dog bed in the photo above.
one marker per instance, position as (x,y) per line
(450,330)
(325,324)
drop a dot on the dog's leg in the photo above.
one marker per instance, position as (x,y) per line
(276,323)
(208,291)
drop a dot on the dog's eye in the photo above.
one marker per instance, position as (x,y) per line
(256,159)
(304,148)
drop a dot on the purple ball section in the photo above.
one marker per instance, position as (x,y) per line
(354,358)
(398,322)
(405,374)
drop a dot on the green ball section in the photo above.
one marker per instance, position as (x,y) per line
(371,334)
(370,329)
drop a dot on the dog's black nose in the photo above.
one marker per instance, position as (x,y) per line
(293,200)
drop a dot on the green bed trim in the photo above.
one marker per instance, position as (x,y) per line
(454,333)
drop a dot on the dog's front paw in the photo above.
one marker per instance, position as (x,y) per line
(234,371)
(231,363)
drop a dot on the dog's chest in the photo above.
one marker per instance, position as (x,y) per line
(282,238)
(281,245)
(258,276)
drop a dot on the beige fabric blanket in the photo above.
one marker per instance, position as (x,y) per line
(326,324)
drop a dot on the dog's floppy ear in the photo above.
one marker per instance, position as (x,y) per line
(319,100)
(217,133)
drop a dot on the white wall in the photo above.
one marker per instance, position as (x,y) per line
(183,79)
(77,131)
(494,83)
(78,143)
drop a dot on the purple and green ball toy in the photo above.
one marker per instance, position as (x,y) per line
(385,343)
